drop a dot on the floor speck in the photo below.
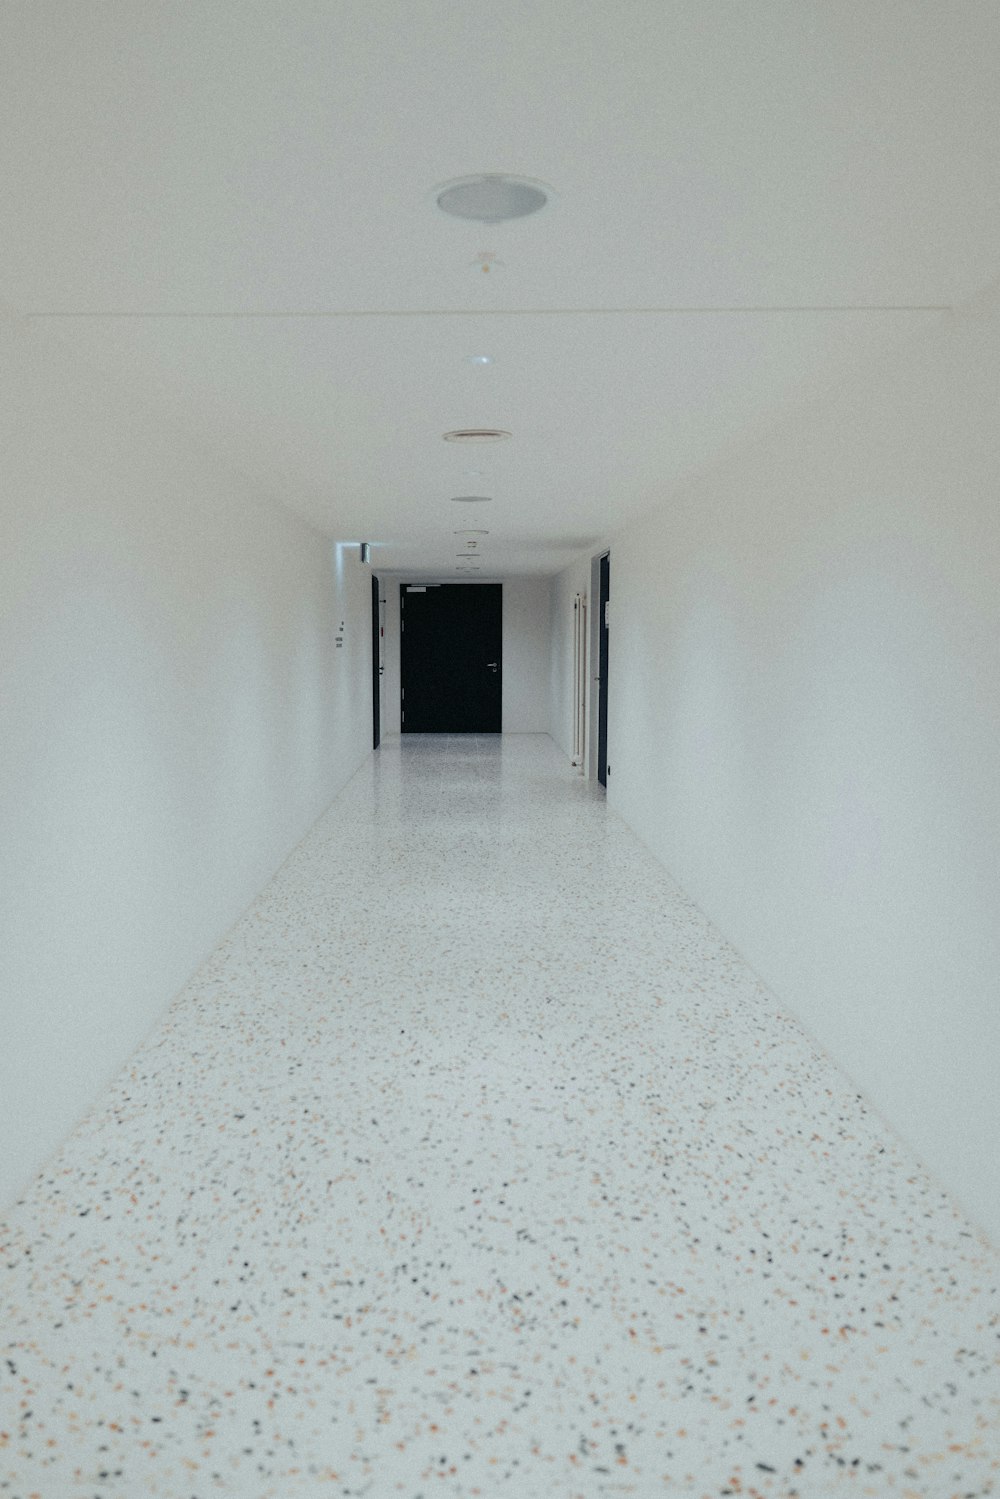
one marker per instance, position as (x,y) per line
(475,1163)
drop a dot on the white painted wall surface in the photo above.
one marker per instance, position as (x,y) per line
(804,722)
(390,588)
(526,655)
(175,716)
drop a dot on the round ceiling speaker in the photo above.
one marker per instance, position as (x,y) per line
(476,434)
(491,197)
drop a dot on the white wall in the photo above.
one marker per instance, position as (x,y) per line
(176,714)
(390,592)
(525,654)
(805,720)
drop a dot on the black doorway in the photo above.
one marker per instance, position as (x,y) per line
(376,667)
(602,700)
(450,662)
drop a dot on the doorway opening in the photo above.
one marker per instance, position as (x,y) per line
(451,668)
(604,610)
(378,665)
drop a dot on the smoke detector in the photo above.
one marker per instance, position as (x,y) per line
(491,197)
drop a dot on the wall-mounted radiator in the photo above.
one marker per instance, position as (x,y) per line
(580,681)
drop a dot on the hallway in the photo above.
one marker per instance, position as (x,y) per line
(474,1162)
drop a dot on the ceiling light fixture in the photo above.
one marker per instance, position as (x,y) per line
(491,197)
(477,434)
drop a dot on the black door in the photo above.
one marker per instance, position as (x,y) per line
(450,666)
(376,666)
(602,698)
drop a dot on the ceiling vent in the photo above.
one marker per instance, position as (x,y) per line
(476,434)
(491,197)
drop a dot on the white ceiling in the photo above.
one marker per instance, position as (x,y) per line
(228,203)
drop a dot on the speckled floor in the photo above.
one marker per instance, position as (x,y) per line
(474,1162)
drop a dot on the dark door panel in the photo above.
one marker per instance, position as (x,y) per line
(376,666)
(602,704)
(451,670)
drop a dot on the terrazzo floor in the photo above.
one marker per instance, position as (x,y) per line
(474,1162)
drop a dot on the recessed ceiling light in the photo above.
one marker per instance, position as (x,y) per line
(491,197)
(471,499)
(477,434)
(479,359)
